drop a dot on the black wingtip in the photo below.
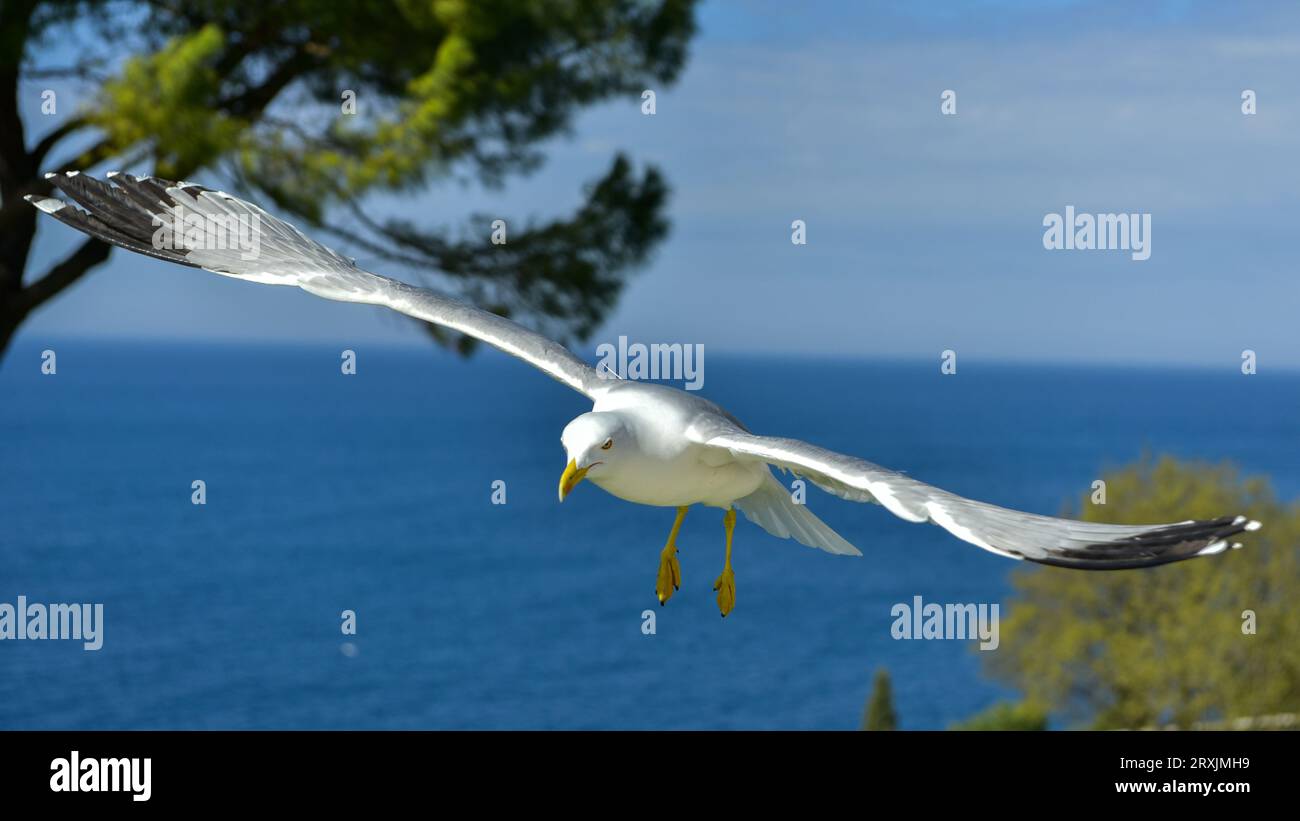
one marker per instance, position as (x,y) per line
(1161,545)
(121,213)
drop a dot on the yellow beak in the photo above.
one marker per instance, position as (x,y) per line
(571,477)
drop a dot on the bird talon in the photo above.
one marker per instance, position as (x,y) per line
(725,587)
(670,570)
(670,575)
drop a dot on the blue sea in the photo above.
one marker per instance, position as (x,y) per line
(373,493)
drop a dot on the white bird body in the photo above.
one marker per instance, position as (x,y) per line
(648,444)
(665,468)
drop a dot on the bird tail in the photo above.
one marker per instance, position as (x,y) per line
(772,508)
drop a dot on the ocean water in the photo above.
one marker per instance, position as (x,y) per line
(372,493)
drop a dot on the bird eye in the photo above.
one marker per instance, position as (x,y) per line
(609,443)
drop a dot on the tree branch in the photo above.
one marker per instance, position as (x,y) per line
(89,254)
(14,204)
(255,99)
(49,140)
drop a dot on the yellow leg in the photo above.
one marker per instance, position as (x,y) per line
(726,583)
(670,572)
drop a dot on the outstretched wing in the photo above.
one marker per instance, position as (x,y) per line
(196,226)
(1010,533)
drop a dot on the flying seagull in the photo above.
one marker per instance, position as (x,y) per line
(645,443)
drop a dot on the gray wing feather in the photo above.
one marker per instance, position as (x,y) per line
(1010,533)
(128,211)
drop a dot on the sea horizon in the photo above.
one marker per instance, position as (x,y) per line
(373,493)
(587,352)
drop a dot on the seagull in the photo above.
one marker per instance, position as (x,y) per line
(645,443)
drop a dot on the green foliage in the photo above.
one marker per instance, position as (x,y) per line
(159,99)
(880,714)
(448,90)
(1006,716)
(1136,648)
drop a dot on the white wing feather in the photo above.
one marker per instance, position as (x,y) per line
(1010,533)
(130,210)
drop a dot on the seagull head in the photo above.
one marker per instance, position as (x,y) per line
(595,443)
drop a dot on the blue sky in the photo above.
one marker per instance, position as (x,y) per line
(924,231)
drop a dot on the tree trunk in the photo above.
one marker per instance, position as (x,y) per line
(7,327)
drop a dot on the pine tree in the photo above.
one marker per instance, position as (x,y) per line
(313,106)
(880,714)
